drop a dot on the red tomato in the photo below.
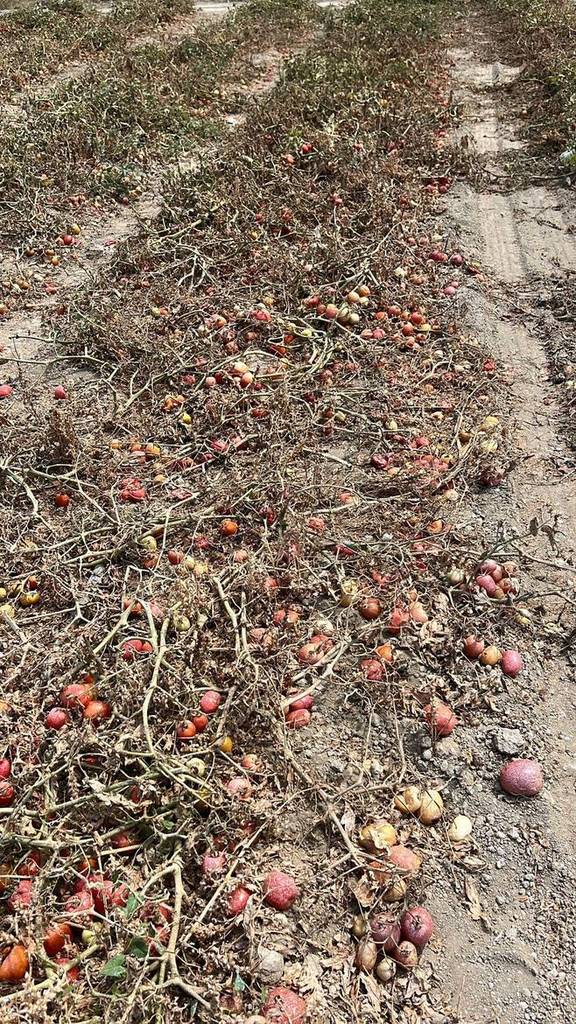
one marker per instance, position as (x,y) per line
(186,731)
(14,965)
(210,701)
(79,906)
(73,973)
(97,711)
(7,793)
(57,718)
(31,866)
(106,894)
(56,937)
(228,528)
(77,694)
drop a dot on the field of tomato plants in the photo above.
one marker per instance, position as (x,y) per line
(238,587)
(35,39)
(544,38)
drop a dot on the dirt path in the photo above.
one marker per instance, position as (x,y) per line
(516,966)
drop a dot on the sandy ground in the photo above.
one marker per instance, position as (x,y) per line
(515,964)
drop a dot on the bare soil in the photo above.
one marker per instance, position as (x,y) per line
(515,964)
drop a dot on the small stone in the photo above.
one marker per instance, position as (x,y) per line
(269,965)
(449,747)
(509,741)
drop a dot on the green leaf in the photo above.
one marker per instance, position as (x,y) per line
(115,967)
(138,947)
(132,904)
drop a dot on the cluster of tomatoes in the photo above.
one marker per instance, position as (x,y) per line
(85,904)
(79,697)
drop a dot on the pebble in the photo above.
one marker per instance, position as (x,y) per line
(270,964)
(509,741)
(449,747)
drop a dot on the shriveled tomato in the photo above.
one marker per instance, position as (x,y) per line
(79,906)
(22,896)
(7,793)
(77,694)
(106,894)
(72,973)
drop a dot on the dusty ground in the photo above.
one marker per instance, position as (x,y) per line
(516,965)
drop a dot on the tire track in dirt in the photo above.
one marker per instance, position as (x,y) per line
(517,968)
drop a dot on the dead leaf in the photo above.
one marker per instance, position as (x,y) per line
(373,991)
(473,898)
(441,603)
(348,820)
(472,863)
(475,907)
(362,890)
(108,798)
